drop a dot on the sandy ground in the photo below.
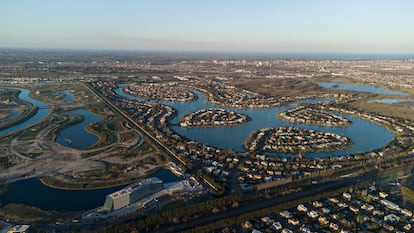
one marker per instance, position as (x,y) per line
(40,156)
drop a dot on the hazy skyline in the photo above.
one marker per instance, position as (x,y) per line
(318,26)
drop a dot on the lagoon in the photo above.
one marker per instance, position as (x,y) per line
(366,135)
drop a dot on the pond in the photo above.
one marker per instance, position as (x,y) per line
(32,192)
(361,88)
(67,95)
(390,101)
(77,136)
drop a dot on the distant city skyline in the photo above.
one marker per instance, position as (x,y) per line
(296,26)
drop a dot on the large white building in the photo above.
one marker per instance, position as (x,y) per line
(132,193)
(19,229)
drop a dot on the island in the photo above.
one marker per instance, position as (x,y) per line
(311,116)
(163,92)
(213,118)
(289,139)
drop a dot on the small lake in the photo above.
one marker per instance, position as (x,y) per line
(365,135)
(166,175)
(390,101)
(39,115)
(67,95)
(32,192)
(76,136)
(361,88)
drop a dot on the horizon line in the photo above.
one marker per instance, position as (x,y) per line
(290,54)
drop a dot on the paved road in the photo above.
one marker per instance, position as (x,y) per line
(154,140)
(261,204)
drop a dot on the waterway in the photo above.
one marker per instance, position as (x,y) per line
(76,136)
(39,115)
(366,135)
(361,88)
(32,192)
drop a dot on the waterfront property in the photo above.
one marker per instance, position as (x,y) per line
(233,137)
(212,118)
(165,92)
(132,193)
(288,139)
(307,115)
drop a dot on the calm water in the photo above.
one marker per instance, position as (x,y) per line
(76,136)
(68,97)
(32,192)
(361,88)
(166,176)
(391,101)
(366,135)
(40,114)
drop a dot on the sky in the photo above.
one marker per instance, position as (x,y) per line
(286,26)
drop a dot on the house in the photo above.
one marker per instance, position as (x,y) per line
(388,227)
(390,205)
(293,221)
(277,226)
(313,214)
(333,200)
(354,209)
(391,218)
(383,195)
(333,226)
(347,196)
(378,212)
(305,229)
(317,204)
(407,213)
(266,220)
(367,207)
(407,227)
(302,208)
(247,225)
(285,214)
(323,220)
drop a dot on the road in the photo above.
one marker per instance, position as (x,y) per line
(262,204)
(154,140)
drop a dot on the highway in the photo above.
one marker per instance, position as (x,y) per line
(265,203)
(154,140)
